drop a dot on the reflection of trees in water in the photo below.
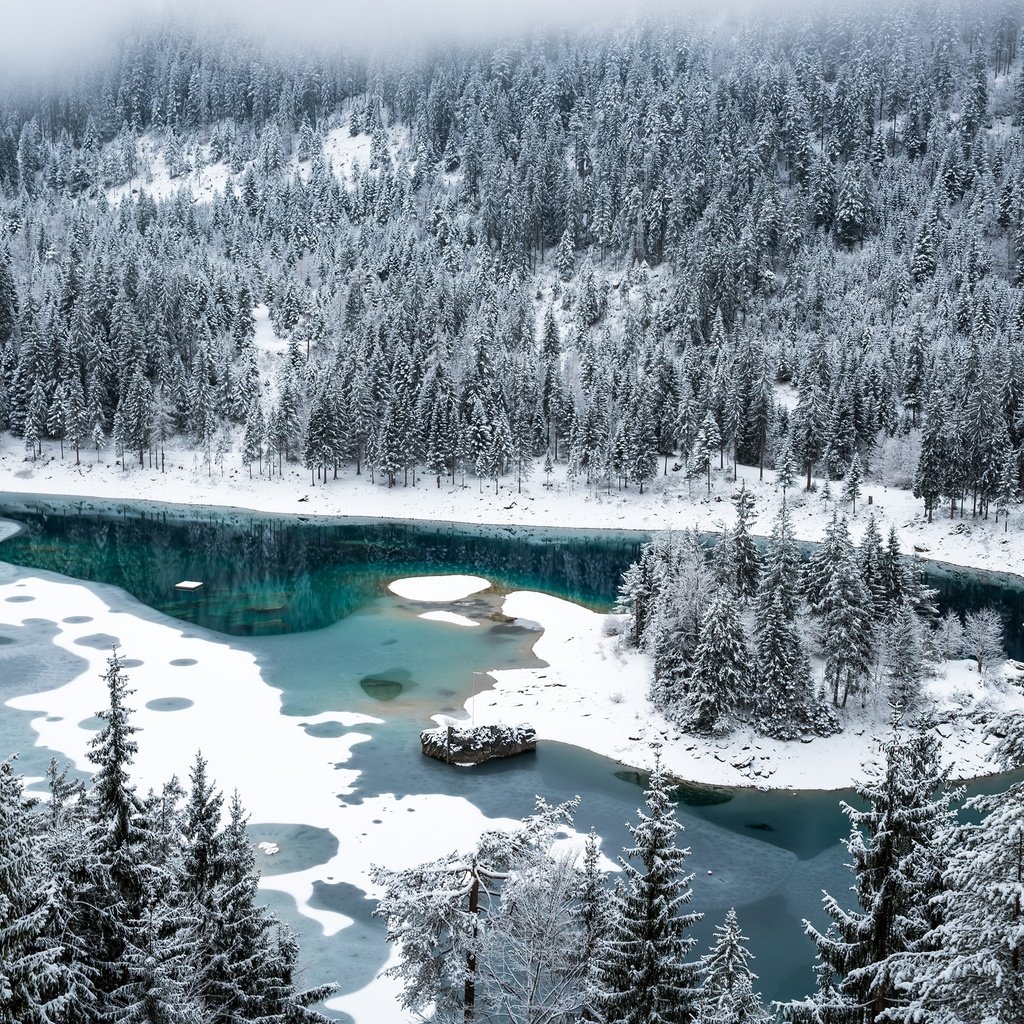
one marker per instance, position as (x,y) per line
(270,574)
(276,574)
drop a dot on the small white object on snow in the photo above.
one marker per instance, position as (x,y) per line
(268,848)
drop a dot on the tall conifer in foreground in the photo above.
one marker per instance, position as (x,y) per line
(862,955)
(643,973)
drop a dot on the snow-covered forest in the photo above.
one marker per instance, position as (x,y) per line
(117,905)
(793,245)
(862,612)
(788,240)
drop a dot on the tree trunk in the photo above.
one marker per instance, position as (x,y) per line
(469,995)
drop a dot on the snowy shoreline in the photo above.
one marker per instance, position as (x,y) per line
(670,502)
(589,670)
(592,693)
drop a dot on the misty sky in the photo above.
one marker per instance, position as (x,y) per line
(53,30)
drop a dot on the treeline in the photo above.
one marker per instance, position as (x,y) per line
(517,929)
(120,907)
(607,250)
(732,630)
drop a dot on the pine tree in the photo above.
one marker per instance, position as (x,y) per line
(727,995)
(32,982)
(905,658)
(785,466)
(1007,488)
(706,446)
(969,965)
(744,558)
(565,258)
(252,438)
(851,485)
(643,976)
(933,470)
(718,683)
(117,835)
(9,307)
(865,951)
(840,602)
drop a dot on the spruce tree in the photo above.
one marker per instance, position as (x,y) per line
(720,662)
(851,485)
(865,950)
(744,558)
(841,604)
(32,982)
(727,995)
(969,966)
(643,974)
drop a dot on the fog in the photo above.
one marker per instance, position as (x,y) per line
(55,32)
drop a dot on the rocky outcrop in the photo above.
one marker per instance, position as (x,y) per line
(461,744)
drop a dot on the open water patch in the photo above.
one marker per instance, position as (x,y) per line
(98,641)
(169,704)
(298,847)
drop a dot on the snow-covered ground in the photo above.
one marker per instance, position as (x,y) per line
(669,502)
(286,775)
(206,179)
(593,694)
(438,588)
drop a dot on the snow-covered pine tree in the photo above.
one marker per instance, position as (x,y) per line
(719,684)
(852,483)
(643,973)
(246,967)
(727,995)
(864,953)
(705,446)
(842,606)
(904,644)
(33,983)
(968,969)
(744,558)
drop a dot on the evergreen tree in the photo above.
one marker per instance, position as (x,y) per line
(727,995)
(32,982)
(744,559)
(720,662)
(840,602)
(643,975)
(967,968)
(861,953)
(851,485)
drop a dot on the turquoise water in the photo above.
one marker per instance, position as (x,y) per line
(266,575)
(309,601)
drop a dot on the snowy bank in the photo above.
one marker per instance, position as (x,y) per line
(593,694)
(669,502)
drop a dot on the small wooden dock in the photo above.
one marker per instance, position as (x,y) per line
(188,585)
